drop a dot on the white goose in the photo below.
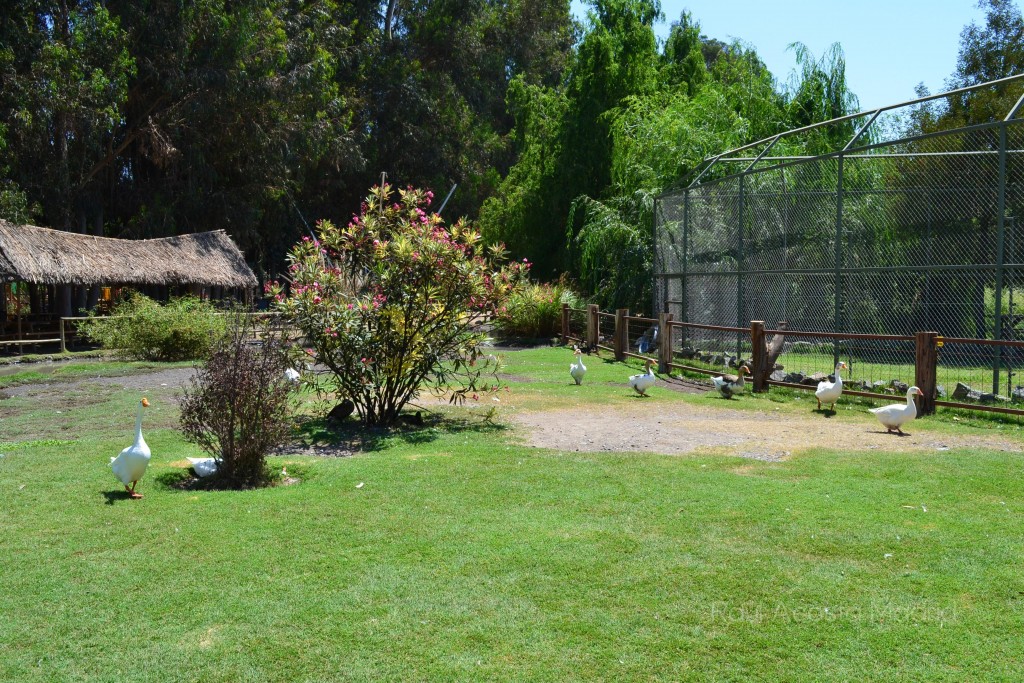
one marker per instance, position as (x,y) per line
(292,376)
(204,467)
(641,383)
(578,369)
(893,416)
(730,385)
(131,464)
(829,392)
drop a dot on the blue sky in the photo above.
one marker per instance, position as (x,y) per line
(890,46)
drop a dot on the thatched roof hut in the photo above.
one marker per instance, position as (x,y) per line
(54,257)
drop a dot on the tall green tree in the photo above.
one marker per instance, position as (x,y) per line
(65,70)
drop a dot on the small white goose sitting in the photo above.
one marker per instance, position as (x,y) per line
(204,467)
(641,383)
(829,392)
(578,369)
(893,416)
(131,464)
(292,376)
(730,385)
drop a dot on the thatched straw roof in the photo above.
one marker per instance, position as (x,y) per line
(54,257)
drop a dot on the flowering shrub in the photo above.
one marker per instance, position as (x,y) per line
(387,303)
(535,310)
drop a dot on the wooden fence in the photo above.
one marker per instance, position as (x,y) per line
(584,327)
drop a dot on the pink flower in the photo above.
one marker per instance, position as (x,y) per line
(475,397)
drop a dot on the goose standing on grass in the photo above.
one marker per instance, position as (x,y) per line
(730,385)
(641,383)
(131,464)
(829,392)
(893,416)
(578,369)
(292,376)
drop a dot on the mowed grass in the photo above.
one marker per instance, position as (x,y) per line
(465,556)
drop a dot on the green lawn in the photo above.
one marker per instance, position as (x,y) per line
(465,556)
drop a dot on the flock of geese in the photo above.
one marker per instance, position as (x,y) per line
(892,417)
(130,465)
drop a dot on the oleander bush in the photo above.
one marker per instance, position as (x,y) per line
(389,304)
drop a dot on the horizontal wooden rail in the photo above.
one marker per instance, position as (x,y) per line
(653,321)
(982,342)
(691,368)
(851,392)
(28,342)
(975,406)
(843,335)
(717,328)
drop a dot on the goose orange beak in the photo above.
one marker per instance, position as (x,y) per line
(145,402)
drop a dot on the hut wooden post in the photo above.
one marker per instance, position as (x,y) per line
(665,344)
(63,341)
(21,348)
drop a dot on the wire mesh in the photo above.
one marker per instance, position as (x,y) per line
(642,336)
(711,351)
(900,234)
(878,366)
(577,325)
(606,331)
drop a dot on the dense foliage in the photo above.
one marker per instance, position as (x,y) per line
(143,329)
(388,303)
(534,311)
(237,407)
(151,118)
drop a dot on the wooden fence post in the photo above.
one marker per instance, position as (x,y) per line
(926,357)
(592,327)
(621,336)
(759,357)
(63,342)
(664,342)
(565,324)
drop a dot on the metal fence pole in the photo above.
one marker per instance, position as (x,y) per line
(838,320)
(684,281)
(997,330)
(740,267)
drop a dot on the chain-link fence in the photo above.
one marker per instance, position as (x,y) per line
(886,235)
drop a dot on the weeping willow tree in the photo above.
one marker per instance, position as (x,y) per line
(656,140)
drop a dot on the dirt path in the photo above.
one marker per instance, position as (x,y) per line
(171,378)
(673,429)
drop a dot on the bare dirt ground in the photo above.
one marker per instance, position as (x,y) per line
(673,429)
(649,426)
(171,378)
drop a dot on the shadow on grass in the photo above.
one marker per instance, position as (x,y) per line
(115,496)
(317,436)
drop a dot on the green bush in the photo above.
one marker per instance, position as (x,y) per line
(141,328)
(534,311)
